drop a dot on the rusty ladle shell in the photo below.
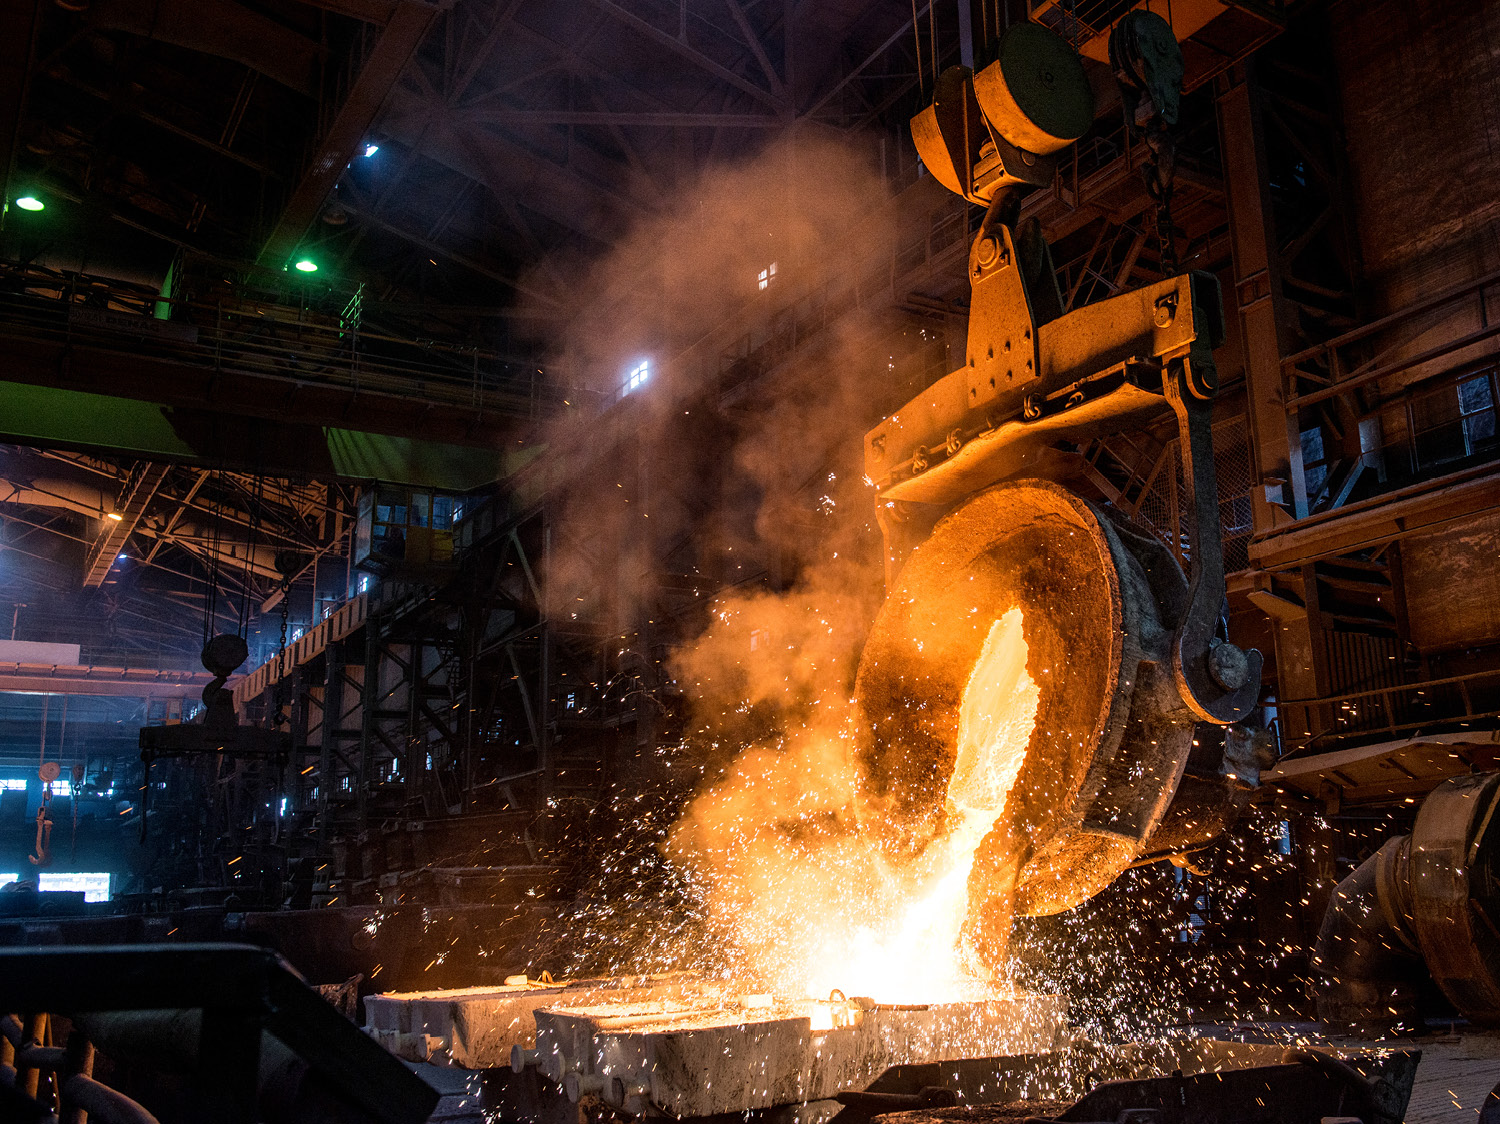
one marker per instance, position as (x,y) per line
(1112,735)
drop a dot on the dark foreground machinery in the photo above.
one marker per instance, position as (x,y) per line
(215,1032)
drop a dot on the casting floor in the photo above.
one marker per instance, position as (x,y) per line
(1456,1074)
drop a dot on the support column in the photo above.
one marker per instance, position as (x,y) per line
(1275,439)
(333,713)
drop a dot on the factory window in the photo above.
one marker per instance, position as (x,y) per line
(1476,402)
(364,583)
(13,784)
(1454,422)
(95,886)
(637,377)
(401,531)
(767,275)
(1314,461)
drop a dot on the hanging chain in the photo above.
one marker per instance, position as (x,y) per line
(1158,172)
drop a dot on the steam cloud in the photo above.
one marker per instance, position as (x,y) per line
(779,843)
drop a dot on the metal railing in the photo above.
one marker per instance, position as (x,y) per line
(1385,349)
(1358,358)
(264,340)
(1393,711)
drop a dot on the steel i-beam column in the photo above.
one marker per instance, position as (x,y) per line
(1275,440)
(333,712)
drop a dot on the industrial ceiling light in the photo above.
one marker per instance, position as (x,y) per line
(307,265)
(114,515)
(30,203)
(371,149)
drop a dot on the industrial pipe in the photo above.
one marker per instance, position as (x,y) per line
(1366,954)
(103,1104)
(1428,897)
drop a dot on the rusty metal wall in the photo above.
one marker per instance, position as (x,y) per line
(1453,585)
(1420,86)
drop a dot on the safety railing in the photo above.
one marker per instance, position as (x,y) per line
(1394,349)
(1383,348)
(1390,711)
(264,340)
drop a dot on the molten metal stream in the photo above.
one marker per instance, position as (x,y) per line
(909,947)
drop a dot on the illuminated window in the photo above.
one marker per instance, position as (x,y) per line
(364,583)
(95,886)
(767,275)
(637,377)
(13,784)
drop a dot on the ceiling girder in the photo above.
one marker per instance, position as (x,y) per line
(526,117)
(393,48)
(560,193)
(17,46)
(681,48)
(219,28)
(869,61)
(113,533)
(752,40)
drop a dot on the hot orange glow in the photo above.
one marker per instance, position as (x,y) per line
(797,874)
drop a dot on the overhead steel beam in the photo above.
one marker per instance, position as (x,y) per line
(691,54)
(377,12)
(867,63)
(559,193)
(115,531)
(118,682)
(752,40)
(219,28)
(397,42)
(516,117)
(416,238)
(461,84)
(134,109)
(23,19)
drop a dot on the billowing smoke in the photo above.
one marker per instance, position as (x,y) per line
(777,857)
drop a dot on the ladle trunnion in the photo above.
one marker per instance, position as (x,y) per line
(976,507)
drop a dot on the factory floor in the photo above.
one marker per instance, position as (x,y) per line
(1456,1074)
(1457,1071)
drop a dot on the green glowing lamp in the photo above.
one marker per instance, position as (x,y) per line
(307,265)
(30,203)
